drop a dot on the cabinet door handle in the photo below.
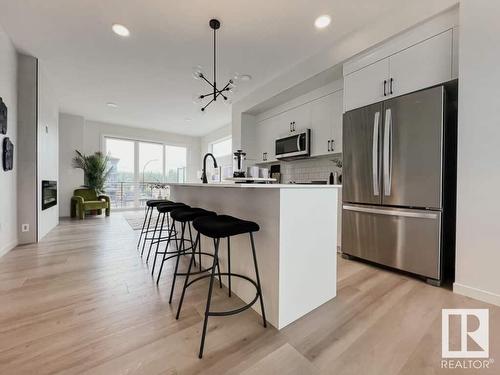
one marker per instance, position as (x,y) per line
(329,145)
(333,145)
(385,89)
(390,86)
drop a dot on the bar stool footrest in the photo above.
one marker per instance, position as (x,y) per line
(235,311)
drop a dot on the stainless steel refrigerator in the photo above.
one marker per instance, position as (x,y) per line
(399,182)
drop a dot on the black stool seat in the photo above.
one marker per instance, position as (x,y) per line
(189,214)
(223,226)
(169,207)
(156,202)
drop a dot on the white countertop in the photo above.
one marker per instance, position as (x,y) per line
(256,186)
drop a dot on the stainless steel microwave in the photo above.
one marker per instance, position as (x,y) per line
(294,146)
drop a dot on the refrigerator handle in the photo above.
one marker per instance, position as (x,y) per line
(388,152)
(375,168)
(422,214)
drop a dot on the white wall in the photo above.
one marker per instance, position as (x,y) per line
(47,149)
(8,180)
(87,136)
(478,210)
(218,134)
(71,139)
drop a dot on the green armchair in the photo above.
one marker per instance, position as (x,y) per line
(87,199)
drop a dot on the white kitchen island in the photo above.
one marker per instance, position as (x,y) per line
(296,245)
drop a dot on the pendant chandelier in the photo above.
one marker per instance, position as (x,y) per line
(215,92)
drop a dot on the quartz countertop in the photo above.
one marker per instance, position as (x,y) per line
(255,186)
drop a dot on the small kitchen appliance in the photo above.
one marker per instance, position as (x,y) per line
(295,146)
(239,168)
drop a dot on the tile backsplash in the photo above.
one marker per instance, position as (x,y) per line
(307,170)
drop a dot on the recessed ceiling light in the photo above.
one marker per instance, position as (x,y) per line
(322,21)
(112,105)
(120,30)
(245,77)
(188,119)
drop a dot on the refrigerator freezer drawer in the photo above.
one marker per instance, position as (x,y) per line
(405,239)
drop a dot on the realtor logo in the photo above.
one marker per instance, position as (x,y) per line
(473,332)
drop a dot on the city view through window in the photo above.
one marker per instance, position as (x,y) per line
(140,169)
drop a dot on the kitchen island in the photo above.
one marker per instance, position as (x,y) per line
(296,245)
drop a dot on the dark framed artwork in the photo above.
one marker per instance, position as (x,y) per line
(8,154)
(3,117)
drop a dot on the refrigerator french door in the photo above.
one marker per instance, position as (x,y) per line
(392,182)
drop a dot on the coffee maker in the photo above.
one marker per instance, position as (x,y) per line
(239,168)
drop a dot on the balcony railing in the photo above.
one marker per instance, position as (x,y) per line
(130,195)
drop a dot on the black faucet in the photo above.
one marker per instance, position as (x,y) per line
(204,172)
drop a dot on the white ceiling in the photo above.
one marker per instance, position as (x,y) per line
(149,74)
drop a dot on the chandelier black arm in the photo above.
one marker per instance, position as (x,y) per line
(220,93)
(206,105)
(225,88)
(207,81)
(206,95)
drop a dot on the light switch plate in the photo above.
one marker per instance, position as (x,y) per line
(25,228)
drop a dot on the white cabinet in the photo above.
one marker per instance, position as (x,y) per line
(422,65)
(278,126)
(326,124)
(265,142)
(296,119)
(322,115)
(366,85)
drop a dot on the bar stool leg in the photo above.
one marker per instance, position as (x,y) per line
(258,279)
(142,229)
(209,298)
(158,243)
(164,254)
(146,233)
(218,267)
(229,264)
(193,249)
(177,263)
(153,238)
(197,242)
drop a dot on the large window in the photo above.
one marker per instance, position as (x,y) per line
(121,155)
(222,147)
(151,162)
(139,168)
(175,161)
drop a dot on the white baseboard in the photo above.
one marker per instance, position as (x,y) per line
(5,249)
(479,294)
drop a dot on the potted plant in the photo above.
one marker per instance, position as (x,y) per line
(95,169)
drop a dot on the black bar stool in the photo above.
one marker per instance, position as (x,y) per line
(149,207)
(185,215)
(163,210)
(223,227)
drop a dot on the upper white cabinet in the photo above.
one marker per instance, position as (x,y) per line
(323,115)
(424,64)
(366,85)
(326,124)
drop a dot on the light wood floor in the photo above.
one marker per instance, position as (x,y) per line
(82,301)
